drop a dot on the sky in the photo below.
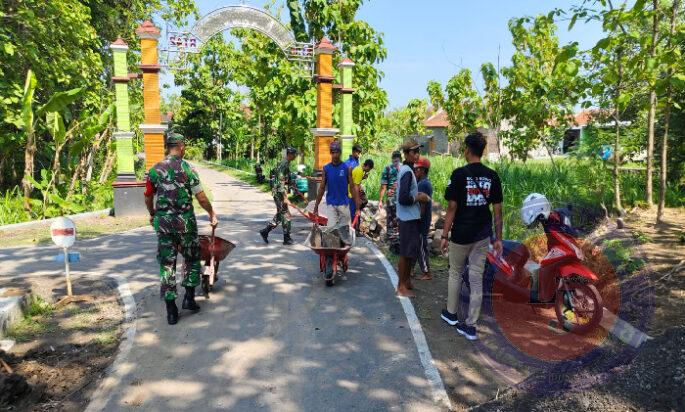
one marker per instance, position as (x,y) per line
(434,39)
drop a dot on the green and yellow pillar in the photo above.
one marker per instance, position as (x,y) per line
(123,137)
(324,133)
(346,67)
(153,129)
(128,192)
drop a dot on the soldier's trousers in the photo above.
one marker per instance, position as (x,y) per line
(168,246)
(282,215)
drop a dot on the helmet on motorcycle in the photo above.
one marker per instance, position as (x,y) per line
(533,206)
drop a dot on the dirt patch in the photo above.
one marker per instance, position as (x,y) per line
(652,381)
(87,228)
(61,353)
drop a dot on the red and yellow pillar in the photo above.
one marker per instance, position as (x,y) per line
(324,133)
(153,129)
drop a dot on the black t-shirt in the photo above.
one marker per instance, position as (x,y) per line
(473,220)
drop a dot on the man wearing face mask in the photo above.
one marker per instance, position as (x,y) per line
(389,186)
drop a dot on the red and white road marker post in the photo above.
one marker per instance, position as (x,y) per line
(63,233)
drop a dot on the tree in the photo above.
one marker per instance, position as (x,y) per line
(462,104)
(671,62)
(613,67)
(435,95)
(417,115)
(544,85)
(492,101)
(651,74)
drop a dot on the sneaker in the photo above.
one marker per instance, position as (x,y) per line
(469,332)
(450,318)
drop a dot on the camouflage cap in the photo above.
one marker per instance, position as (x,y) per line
(173,139)
(335,147)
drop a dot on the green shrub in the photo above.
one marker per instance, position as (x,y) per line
(12,207)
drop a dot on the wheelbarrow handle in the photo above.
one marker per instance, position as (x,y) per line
(211,246)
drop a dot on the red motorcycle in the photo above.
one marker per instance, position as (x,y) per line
(560,279)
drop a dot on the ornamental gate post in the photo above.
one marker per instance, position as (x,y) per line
(128,193)
(324,133)
(346,123)
(123,136)
(153,129)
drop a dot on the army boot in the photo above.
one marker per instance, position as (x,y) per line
(189,300)
(287,240)
(171,312)
(265,232)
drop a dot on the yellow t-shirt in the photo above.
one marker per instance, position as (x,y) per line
(357,177)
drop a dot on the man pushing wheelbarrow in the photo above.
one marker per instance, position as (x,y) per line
(174,183)
(336,179)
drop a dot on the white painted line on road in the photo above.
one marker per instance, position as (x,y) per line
(432,374)
(117,370)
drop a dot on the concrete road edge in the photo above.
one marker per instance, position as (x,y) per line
(118,369)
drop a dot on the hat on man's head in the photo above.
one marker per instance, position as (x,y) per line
(174,139)
(356,148)
(290,150)
(411,144)
(335,147)
(396,154)
(423,162)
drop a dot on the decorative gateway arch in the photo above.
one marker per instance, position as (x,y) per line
(318,58)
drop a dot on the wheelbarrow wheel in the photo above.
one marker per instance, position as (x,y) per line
(206,288)
(329,272)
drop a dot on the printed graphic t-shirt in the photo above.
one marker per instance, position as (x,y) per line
(336,182)
(473,220)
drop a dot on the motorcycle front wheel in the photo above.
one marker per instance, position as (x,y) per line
(578,307)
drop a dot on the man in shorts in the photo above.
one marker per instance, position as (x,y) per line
(408,217)
(335,181)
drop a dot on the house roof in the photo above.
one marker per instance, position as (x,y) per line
(439,119)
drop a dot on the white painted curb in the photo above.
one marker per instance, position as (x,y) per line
(432,374)
(103,212)
(117,370)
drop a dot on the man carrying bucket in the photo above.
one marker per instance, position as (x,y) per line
(174,182)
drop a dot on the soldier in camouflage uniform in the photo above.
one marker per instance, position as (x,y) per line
(389,186)
(279,189)
(174,182)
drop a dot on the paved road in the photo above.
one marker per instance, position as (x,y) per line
(272,336)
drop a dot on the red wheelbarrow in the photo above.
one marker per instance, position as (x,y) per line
(213,250)
(331,260)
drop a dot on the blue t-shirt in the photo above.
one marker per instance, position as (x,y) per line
(351,162)
(425,186)
(336,182)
